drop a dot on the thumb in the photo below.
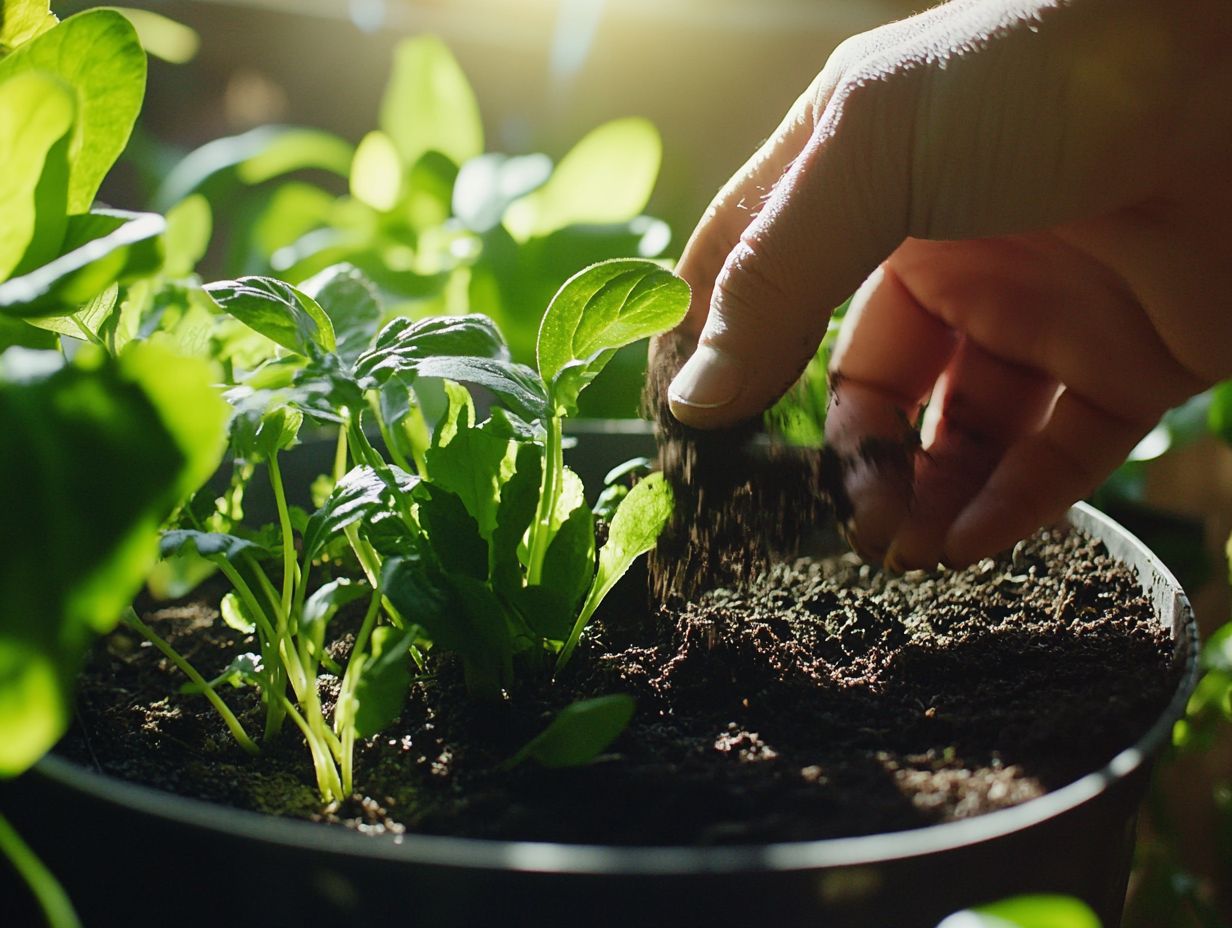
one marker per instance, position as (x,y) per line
(835,212)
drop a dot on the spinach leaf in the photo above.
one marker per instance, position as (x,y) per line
(98,55)
(36,117)
(210,544)
(351,302)
(636,526)
(362,493)
(597,311)
(579,733)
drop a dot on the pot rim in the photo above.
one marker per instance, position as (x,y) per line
(615,861)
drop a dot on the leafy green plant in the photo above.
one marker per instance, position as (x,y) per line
(454,524)
(1034,911)
(436,223)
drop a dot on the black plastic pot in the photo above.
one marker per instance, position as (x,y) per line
(130,855)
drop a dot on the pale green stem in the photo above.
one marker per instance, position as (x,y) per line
(327,774)
(553,469)
(48,892)
(340,454)
(130,619)
(288,538)
(392,448)
(344,715)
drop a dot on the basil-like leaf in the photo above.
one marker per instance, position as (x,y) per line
(384,681)
(597,311)
(210,544)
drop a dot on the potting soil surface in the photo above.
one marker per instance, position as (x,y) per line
(825,699)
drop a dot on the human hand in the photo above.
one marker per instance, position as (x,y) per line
(1037,197)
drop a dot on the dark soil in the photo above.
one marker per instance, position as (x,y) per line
(827,699)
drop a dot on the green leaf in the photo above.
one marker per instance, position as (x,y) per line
(519,497)
(23,20)
(362,493)
(327,599)
(101,247)
(162,36)
(280,312)
(36,117)
(350,300)
(124,440)
(607,177)
(452,532)
(86,321)
(97,53)
(376,172)
(1034,911)
(261,426)
(473,465)
(459,614)
(429,105)
(189,225)
(1219,416)
(599,310)
(257,155)
(639,519)
(235,614)
(550,610)
(292,211)
(22,334)
(210,544)
(579,733)
(384,681)
(403,344)
(515,385)
(486,185)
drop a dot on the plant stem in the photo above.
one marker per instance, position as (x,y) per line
(386,436)
(288,538)
(340,454)
(541,528)
(269,642)
(48,892)
(130,619)
(328,783)
(344,714)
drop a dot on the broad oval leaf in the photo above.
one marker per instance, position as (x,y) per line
(100,247)
(579,733)
(515,385)
(385,681)
(429,104)
(376,172)
(607,177)
(98,54)
(36,117)
(282,313)
(598,310)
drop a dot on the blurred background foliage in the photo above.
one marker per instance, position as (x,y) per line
(305,126)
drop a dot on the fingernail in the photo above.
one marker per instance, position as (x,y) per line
(709,379)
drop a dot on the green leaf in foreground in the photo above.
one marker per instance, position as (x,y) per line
(96,53)
(36,116)
(599,310)
(23,20)
(124,441)
(1035,911)
(639,519)
(579,733)
(99,248)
